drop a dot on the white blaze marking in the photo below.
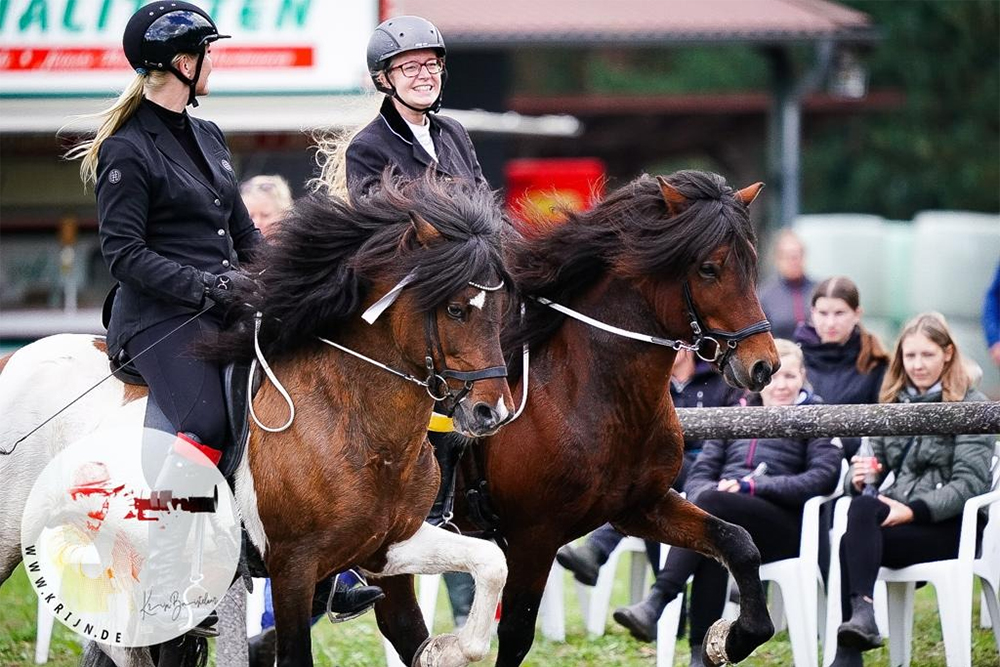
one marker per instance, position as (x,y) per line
(479,300)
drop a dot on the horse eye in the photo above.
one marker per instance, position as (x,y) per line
(708,271)
(455,311)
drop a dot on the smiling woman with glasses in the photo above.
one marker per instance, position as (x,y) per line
(406,60)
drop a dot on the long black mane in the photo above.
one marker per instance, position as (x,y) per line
(317,269)
(629,233)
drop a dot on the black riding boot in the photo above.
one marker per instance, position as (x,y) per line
(180,475)
(348,601)
(448,452)
(584,562)
(861,631)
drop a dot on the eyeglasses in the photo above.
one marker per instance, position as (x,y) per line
(411,69)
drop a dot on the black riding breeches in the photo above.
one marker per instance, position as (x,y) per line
(186,388)
(867,546)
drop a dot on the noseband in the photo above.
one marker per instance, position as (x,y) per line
(715,337)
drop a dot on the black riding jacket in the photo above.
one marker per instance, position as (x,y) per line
(387,140)
(163,224)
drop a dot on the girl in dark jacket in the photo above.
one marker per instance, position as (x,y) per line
(918,517)
(845,362)
(729,480)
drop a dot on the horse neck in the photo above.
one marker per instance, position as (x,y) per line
(383,407)
(627,371)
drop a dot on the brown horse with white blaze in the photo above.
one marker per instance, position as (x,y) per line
(411,277)
(610,295)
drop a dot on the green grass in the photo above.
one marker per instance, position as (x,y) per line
(358,644)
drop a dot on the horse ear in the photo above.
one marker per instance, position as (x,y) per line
(426,232)
(674,199)
(749,193)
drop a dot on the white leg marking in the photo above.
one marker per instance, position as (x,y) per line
(434,550)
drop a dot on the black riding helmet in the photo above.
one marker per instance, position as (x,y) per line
(399,35)
(159,31)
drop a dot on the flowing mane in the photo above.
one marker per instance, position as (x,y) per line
(317,268)
(629,233)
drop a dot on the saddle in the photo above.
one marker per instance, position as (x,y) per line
(237,400)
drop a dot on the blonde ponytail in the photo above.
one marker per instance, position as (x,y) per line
(331,148)
(112,119)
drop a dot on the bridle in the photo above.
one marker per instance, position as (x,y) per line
(435,383)
(703,334)
(715,352)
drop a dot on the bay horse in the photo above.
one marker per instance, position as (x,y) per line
(351,479)
(672,259)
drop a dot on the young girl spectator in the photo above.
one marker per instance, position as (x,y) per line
(845,362)
(918,517)
(728,480)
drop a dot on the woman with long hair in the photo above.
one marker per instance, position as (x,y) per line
(173,228)
(918,517)
(846,362)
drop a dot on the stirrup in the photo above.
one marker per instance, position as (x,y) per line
(341,617)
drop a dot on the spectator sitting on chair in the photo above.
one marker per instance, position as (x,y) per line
(784,298)
(693,384)
(918,517)
(729,479)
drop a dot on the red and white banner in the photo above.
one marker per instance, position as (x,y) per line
(74,46)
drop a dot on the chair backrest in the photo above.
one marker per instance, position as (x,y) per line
(990,550)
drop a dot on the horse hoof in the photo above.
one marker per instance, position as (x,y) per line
(440,651)
(714,645)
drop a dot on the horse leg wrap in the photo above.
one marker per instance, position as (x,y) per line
(715,643)
(440,651)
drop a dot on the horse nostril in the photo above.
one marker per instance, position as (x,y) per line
(485,414)
(761,374)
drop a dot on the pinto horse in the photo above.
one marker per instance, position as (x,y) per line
(664,261)
(350,480)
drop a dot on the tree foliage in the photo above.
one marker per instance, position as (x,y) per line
(942,149)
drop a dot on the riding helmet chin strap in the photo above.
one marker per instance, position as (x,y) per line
(192,83)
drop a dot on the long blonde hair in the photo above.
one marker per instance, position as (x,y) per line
(331,157)
(955,380)
(331,147)
(113,118)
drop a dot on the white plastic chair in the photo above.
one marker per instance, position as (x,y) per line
(43,637)
(952,580)
(595,601)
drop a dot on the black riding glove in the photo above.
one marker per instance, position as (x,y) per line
(223,288)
